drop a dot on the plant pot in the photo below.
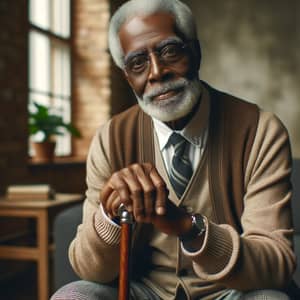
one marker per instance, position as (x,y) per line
(43,151)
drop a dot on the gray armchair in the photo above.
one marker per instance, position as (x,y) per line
(65,226)
(296,213)
(66,223)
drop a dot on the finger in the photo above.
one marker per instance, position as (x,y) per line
(136,193)
(108,204)
(148,188)
(119,184)
(161,192)
(114,203)
(105,193)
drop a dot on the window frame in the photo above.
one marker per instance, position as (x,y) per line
(55,39)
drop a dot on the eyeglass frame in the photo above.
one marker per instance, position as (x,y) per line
(158,52)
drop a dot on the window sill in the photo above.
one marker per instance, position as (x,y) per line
(58,161)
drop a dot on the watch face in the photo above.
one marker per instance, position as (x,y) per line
(198,223)
(198,228)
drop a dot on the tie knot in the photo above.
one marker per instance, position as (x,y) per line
(178,142)
(176,139)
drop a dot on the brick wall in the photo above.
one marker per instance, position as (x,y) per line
(13,91)
(13,105)
(91,89)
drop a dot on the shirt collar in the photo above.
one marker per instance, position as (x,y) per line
(194,131)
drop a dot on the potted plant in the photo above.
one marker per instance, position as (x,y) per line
(41,120)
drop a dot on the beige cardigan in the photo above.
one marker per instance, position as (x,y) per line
(262,257)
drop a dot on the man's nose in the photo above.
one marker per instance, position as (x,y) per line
(158,70)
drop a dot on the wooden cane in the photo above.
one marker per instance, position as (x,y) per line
(126,221)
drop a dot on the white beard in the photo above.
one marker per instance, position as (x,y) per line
(175,107)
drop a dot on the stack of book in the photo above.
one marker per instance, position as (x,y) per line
(30,192)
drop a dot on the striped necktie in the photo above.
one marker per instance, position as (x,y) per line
(181,169)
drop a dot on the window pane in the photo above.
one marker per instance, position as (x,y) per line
(63,142)
(39,98)
(61,70)
(63,145)
(66,71)
(39,60)
(39,13)
(61,17)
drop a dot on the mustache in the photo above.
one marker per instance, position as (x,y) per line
(180,83)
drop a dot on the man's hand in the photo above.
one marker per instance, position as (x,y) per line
(140,188)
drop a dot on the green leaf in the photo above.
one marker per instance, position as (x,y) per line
(41,120)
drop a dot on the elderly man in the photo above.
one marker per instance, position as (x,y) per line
(205,175)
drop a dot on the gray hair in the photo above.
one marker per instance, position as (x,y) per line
(183,16)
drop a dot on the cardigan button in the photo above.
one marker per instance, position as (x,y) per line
(189,209)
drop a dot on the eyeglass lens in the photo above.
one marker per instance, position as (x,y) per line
(167,54)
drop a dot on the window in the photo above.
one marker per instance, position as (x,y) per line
(50,61)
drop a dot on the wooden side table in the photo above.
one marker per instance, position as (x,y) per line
(43,211)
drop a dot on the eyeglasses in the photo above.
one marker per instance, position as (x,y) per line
(138,63)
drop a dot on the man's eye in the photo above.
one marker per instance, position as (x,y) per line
(171,51)
(137,63)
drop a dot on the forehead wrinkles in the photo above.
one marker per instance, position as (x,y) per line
(145,31)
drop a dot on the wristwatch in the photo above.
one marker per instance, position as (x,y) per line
(198,228)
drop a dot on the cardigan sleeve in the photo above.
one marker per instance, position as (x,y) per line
(262,256)
(94,252)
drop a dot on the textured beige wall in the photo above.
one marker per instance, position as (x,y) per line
(251,49)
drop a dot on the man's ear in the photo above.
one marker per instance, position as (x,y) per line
(125,74)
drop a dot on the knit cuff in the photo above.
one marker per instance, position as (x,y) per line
(108,231)
(218,254)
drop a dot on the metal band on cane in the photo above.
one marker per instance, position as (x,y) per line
(125,216)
